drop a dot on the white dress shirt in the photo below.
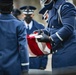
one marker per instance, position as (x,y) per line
(30,24)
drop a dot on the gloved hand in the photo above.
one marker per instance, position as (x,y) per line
(40,31)
(44,38)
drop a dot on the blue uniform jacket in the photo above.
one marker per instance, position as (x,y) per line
(35,26)
(41,61)
(14,56)
(63,34)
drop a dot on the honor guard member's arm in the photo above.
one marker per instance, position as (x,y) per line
(44,32)
(24,56)
(67,13)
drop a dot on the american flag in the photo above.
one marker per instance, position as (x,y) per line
(37,48)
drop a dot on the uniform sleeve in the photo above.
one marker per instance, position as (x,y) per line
(22,41)
(68,13)
(42,26)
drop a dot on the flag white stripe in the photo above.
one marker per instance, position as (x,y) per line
(47,49)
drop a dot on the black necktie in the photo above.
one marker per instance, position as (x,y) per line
(28,27)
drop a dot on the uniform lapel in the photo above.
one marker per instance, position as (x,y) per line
(51,15)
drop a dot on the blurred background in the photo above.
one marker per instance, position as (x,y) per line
(37,17)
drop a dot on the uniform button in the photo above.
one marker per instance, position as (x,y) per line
(54,43)
(56,51)
(53,52)
(52,26)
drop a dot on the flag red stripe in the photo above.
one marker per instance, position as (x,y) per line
(33,46)
(49,46)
